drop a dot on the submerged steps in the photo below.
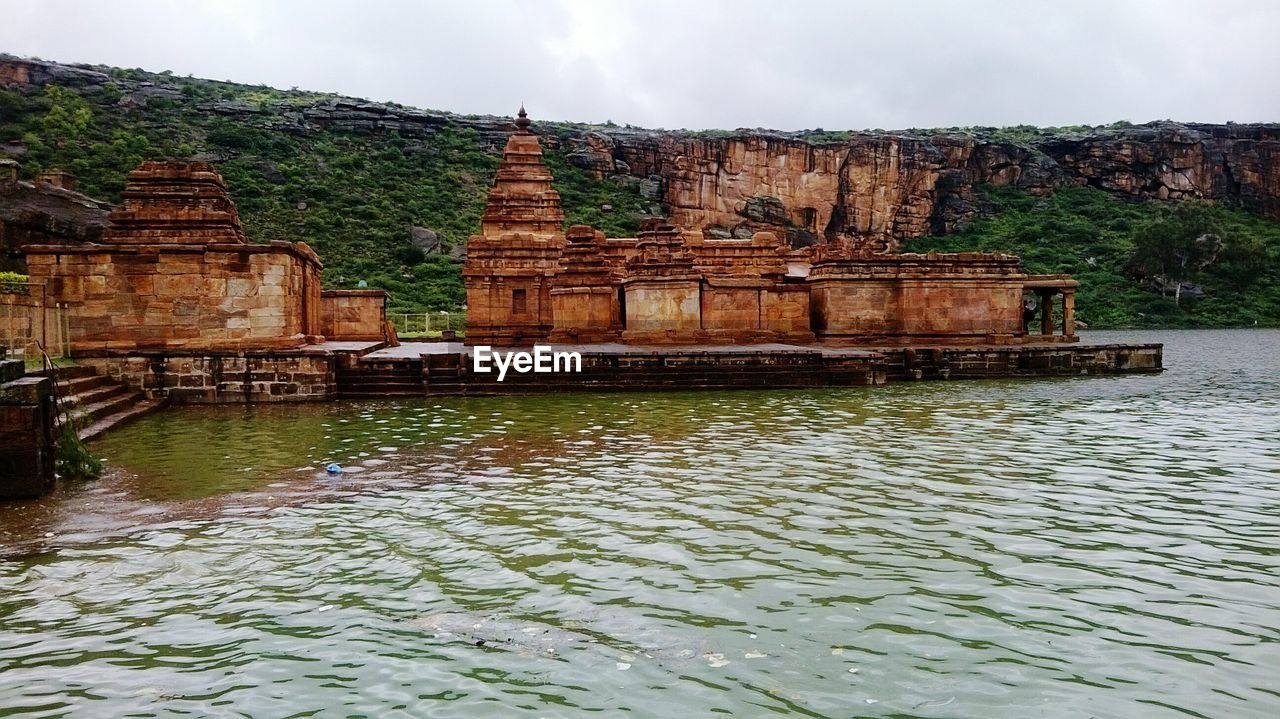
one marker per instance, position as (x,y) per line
(94,403)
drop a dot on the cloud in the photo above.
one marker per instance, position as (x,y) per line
(750,63)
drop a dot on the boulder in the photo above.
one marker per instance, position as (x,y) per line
(424,239)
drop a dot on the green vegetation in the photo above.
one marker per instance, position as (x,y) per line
(1118,249)
(352,197)
(13,283)
(73,459)
(355,196)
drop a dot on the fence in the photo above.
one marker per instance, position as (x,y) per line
(428,323)
(27,325)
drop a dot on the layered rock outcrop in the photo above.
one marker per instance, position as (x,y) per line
(869,189)
(876,189)
(41,213)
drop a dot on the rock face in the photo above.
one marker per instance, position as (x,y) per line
(870,190)
(875,190)
(40,213)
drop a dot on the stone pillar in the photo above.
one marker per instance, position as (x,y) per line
(1068,313)
(1046,312)
(26,433)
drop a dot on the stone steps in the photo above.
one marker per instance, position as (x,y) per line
(384,379)
(94,403)
(133,411)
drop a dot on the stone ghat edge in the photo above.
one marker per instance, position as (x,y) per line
(311,375)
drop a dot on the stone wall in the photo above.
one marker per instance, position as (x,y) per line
(959,297)
(26,323)
(283,376)
(208,297)
(26,433)
(347,315)
(928,363)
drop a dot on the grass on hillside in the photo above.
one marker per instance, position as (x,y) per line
(1089,234)
(354,198)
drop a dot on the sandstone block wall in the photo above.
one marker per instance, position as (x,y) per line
(26,433)
(228,378)
(663,306)
(508,310)
(786,310)
(882,297)
(585,314)
(207,297)
(353,315)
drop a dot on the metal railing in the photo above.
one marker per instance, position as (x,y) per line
(428,323)
(27,324)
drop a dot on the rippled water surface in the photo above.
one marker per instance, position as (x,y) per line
(1097,547)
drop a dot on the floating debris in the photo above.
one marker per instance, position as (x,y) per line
(715,660)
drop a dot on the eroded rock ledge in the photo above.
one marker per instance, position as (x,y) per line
(875,188)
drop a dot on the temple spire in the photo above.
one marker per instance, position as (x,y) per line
(523,198)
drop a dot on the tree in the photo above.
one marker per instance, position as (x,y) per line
(1173,248)
(68,117)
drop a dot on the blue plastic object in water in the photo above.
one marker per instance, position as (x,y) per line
(333,468)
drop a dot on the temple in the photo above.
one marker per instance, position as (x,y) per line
(529,280)
(173,300)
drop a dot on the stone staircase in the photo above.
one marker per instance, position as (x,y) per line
(95,403)
(372,380)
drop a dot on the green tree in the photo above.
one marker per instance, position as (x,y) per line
(68,118)
(1176,246)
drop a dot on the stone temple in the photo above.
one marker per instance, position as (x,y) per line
(530,280)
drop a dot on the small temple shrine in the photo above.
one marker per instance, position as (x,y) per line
(530,280)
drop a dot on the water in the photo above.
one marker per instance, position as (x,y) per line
(1102,547)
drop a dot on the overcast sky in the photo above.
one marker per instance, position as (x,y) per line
(783,64)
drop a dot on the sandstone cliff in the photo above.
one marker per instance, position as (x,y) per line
(881,188)
(872,188)
(39,213)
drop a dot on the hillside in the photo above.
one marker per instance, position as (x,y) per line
(388,194)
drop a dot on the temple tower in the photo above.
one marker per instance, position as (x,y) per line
(510,264)
(174,203)
(663,288)
(585,296)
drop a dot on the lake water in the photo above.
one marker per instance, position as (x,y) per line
(1093,547)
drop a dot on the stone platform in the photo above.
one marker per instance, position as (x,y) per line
(445,368)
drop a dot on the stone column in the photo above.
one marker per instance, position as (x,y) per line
(1046,312)
(1068,313)
(26,433)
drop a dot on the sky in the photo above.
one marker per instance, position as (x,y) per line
(784,64)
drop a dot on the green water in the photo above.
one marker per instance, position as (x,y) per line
(1101,547)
